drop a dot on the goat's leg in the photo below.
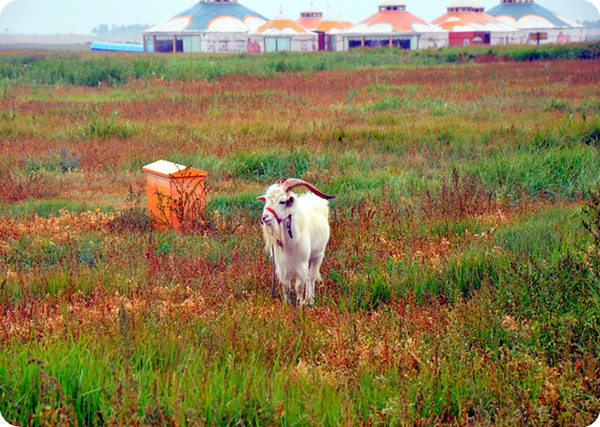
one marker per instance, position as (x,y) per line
(301,283)
(286,286)
(300,290)
(313,276)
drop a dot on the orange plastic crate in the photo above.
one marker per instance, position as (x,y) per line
(175,194)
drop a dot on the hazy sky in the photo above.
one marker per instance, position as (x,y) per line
(80,16)
(336,6)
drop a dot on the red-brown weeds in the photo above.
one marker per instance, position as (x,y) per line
(15,188)
(462,198)
(58,229)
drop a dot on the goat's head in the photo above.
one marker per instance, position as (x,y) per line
(279,201)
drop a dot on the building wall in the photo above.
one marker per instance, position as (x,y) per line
(432,40)
(504,37)
(338,43)
(354,41)
(289,42)
(205,42)
(553,35)
(468,38)
(405,41)
(241,42)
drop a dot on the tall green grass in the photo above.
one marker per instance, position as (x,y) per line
(114,70)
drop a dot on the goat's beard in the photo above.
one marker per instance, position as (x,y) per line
(271,234)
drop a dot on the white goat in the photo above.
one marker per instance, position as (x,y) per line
(296,232)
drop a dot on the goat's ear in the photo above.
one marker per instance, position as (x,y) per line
(290,200)
(262,198)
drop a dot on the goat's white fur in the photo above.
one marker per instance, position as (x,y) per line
(300,254)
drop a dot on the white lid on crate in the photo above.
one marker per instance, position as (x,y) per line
(170,169)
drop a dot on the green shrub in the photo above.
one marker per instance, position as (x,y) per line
(541,236)
(96,126)
(270,166)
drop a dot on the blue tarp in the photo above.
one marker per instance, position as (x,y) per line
(118,47)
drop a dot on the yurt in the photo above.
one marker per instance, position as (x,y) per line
(210,26)
(329,31)
(310,17)
(283,34)
(468,24)
(538,24)
(394,26)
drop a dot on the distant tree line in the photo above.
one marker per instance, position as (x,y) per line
(119,30)
(592,25)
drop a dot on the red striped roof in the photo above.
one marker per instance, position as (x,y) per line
(452,19)
(401,22)
(308,23)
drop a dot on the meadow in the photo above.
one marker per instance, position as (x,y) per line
(461,284)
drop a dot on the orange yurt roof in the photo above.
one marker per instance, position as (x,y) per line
(452,20)
(392,17)
(396,22)
(281,24)
(467,16)
(331,25)
(308,23)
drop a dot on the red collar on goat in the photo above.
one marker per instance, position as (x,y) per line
(275,215)
(279,221)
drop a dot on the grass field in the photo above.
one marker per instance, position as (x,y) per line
(461,284)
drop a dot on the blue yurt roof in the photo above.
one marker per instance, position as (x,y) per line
(203,13)
(519,10)
(207,15)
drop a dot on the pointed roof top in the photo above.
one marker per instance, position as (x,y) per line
(465,6)
(310,16)
(392,6)
(465,3)
(392,3)
(311,9)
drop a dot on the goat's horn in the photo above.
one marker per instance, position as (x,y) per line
(290,183)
